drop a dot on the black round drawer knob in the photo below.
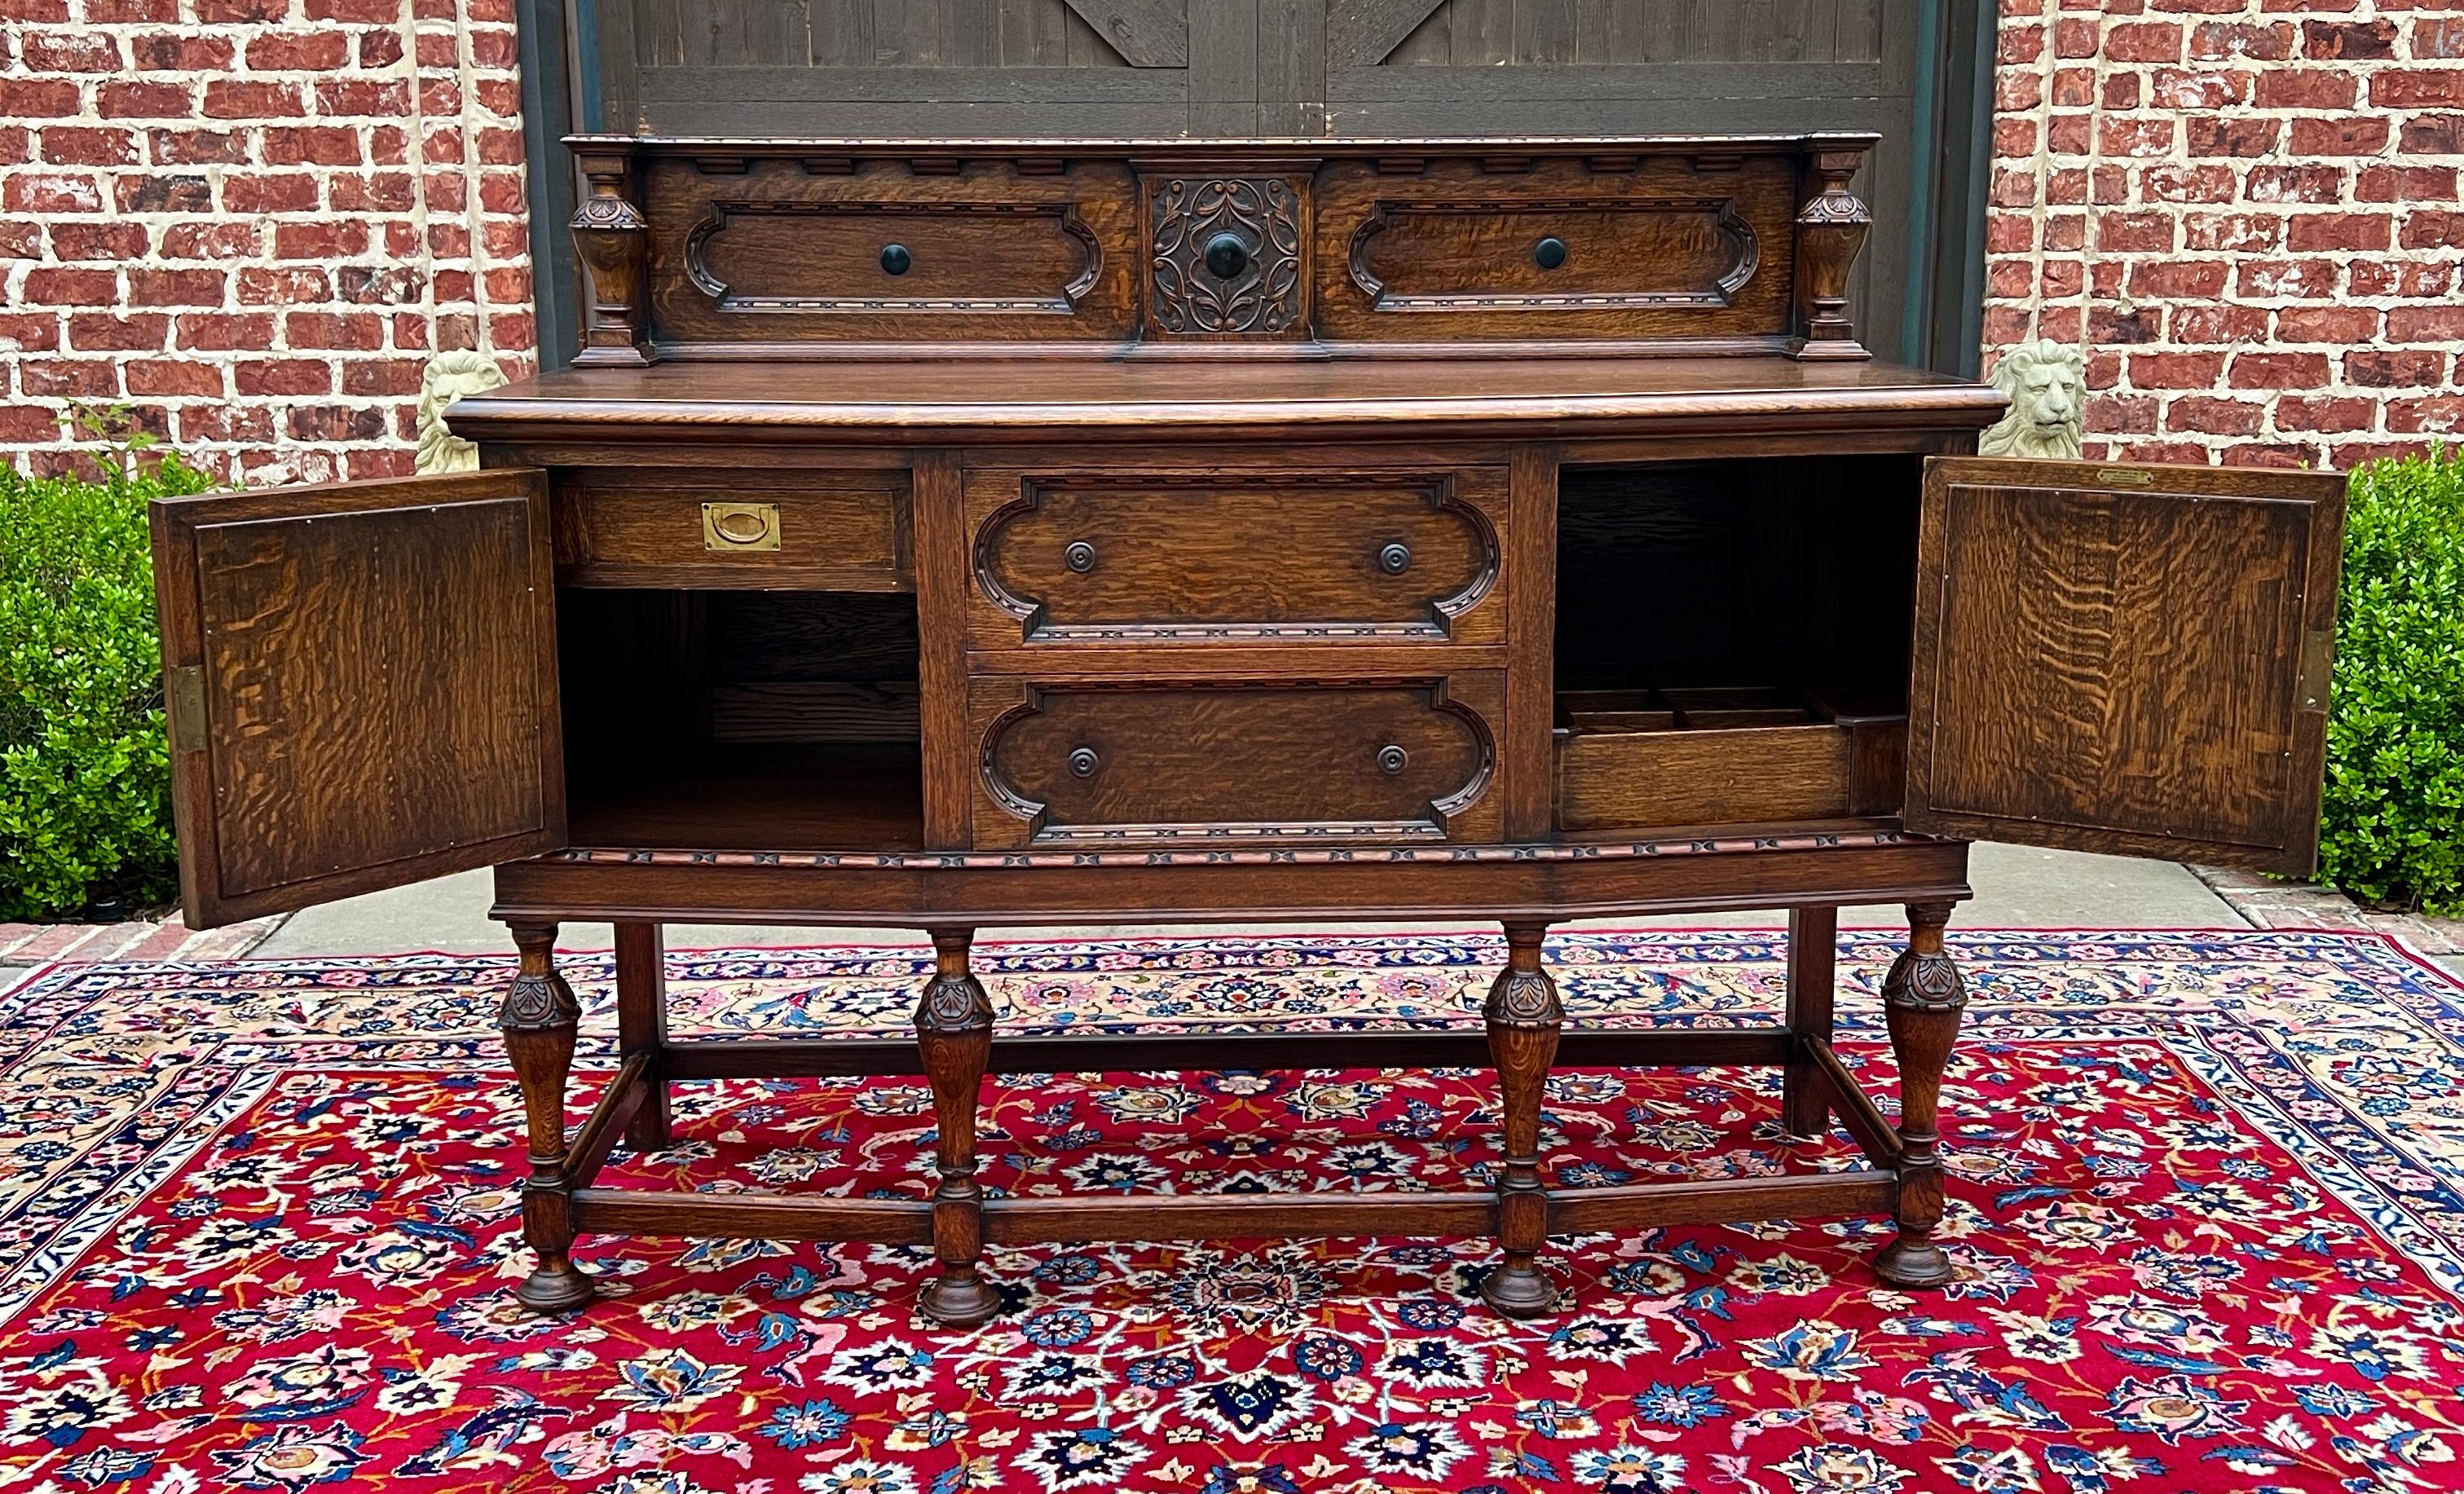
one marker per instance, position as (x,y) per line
(1395,560)
(895,259)
(1226,255)
(1390,759)
(1082,761)
(1549,252)
(1079,556)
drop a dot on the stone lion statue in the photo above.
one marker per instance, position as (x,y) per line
(2047,382)
(449,377)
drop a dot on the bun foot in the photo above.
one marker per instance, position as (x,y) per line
(1519,1293)
(960,1301)
(556,1288)
(1918,1265)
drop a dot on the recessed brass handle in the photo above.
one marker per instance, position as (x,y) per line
(1083,761)
(1395,560)
(739,526)
(1391,759)
(1079,556)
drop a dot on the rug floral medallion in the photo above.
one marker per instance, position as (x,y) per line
(258,1228)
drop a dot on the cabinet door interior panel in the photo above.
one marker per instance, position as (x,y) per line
(363,685)
(2119,657)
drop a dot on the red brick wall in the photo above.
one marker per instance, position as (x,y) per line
(252,221)
(2246,211)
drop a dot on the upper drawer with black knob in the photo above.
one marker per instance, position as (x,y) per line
(1137,558)
(1503,247)
(838,250)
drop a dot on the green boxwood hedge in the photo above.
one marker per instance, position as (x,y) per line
(2393,830)
(85,802)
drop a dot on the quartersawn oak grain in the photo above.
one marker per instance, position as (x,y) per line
(2111,658)
(375,666)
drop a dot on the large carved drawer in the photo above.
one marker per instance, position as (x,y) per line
(720,529)
(1098,557)
(1238,761)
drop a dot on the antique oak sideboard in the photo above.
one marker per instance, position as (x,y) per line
(955,533)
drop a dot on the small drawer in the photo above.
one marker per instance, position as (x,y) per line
(1683,758)
(1140,557)
(1228,762)
(834,532)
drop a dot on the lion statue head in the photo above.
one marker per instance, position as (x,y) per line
(449,377)
(2047,382)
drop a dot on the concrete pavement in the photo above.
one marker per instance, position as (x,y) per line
(2016,887)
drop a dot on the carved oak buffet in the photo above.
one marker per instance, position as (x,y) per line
(968,532)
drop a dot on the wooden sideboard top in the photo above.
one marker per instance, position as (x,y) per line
(911,401)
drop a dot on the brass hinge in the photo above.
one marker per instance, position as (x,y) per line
(185,701)
(2318,668)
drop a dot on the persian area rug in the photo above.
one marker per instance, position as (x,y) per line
(2208,1210)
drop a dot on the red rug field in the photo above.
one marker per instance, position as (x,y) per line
(256,1232)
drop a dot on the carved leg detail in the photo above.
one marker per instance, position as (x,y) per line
(1524,1017)
(540,1016)
(641,1024)
(1921,1000)
(1813,947)
(954,1028)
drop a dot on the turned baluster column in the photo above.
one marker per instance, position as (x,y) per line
(539,1017)
(1921,1000)
(1524,1017)
(954,1028)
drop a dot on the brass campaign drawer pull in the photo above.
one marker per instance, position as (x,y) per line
(739,526)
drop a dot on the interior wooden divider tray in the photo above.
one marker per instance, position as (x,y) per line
(1724,754)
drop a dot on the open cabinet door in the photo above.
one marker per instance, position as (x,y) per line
(2127,659)
(361,686)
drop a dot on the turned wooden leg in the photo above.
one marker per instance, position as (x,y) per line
(1812,946)
(540,1016)
(1524,1019)
(954,1026)
(1922,998)
(642,1026)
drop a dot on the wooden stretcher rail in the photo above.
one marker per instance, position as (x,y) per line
(743,1058)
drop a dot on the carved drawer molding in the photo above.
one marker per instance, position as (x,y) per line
(890,260)
(1280,557)
(1235,761)
(1568,253)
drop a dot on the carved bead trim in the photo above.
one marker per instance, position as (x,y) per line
(1303,855)
(1264,215)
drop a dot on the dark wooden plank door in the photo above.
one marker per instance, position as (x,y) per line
(2124,659)
(361,683)
(896,68)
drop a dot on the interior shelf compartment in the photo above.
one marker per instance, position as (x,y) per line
(843,797)
(1738,755)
